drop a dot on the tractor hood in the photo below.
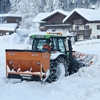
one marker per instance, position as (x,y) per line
(55,54)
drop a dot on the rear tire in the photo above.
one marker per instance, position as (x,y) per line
(58,69)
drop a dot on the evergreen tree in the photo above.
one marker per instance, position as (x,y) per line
(4,6)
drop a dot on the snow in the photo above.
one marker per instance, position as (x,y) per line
(22,32)
(39,17)
(83,85)
(8,26)
(88,46)
(11,15)
(88,14)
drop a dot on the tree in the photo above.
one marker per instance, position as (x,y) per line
(14,4)
(86,4)
(49,6)
(80,4)
(93,2)
(4,6)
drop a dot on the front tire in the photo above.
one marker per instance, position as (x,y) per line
(76,66)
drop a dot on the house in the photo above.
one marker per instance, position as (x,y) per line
(10,18)
(14,18)
(7,28)
(53,21)
(9,23)
(85,23)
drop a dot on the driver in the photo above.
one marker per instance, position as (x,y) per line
(47,45)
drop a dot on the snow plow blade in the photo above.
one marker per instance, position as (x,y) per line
(26,63)
(87,59)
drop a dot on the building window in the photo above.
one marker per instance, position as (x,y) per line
(98,27)
(76,28)
(86,27)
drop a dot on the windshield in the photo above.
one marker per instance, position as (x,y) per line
(55,44)
(39,43)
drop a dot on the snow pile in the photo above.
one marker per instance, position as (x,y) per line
(22,32)
(89,72)
(12,39)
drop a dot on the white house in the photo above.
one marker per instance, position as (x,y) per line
(85,22)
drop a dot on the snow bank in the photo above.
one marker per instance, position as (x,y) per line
(22,32)
(88,46)
(89,72)
(19,37)
(12,39)
(94,41)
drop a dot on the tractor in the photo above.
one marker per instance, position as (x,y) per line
(50,59)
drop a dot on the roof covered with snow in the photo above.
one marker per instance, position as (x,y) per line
(10,15)
(56,11)
(8,26)
(88,14)
(40,16)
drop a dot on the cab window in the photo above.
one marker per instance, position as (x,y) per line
(54,44)
(61,46)
(38,44)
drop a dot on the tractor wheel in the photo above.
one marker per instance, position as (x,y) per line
(76,66)
(58,69)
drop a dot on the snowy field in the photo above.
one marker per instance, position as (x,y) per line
(84,85)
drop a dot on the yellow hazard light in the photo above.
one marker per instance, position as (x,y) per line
(56,33)
(47,32)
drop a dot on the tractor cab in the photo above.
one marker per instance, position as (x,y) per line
(50,42)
